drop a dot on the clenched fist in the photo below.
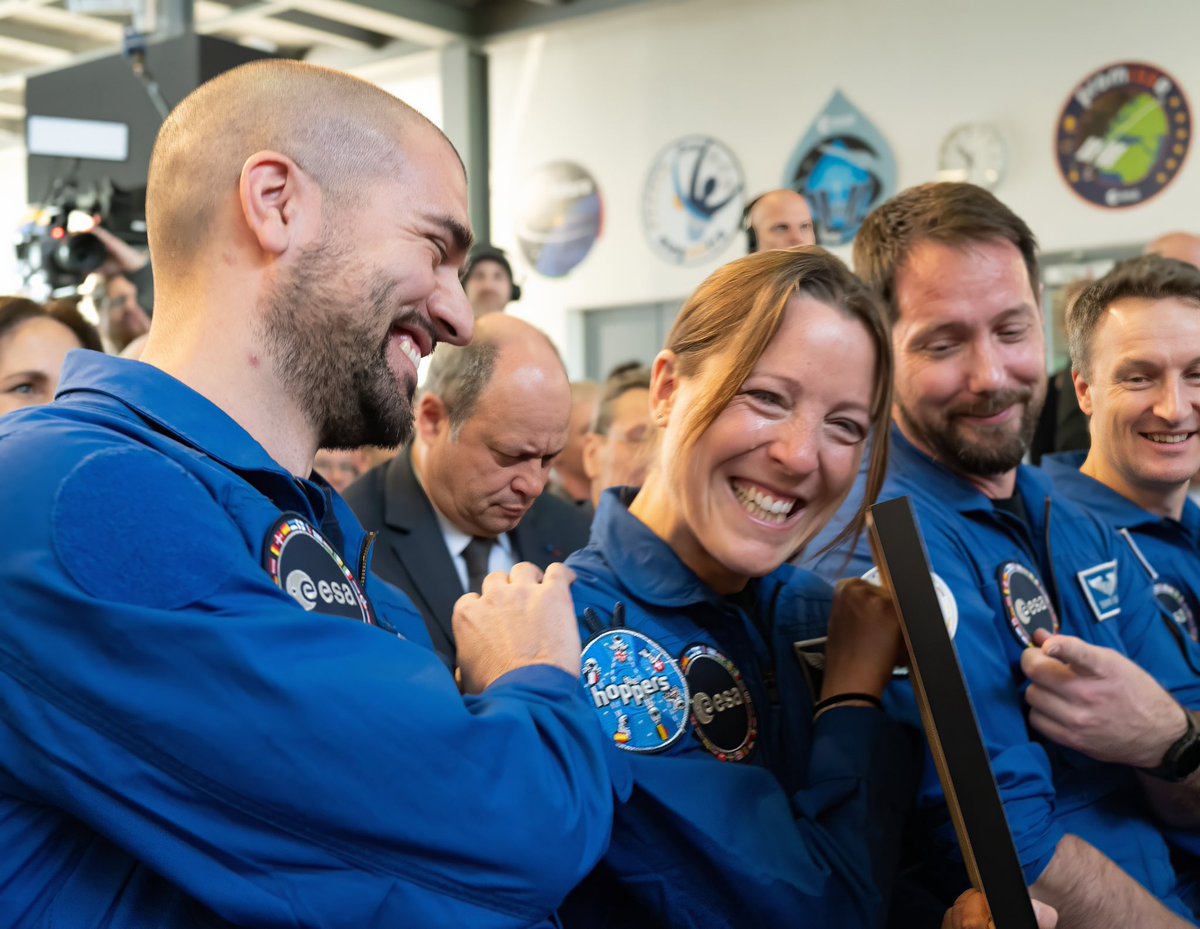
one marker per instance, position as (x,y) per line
(519,619)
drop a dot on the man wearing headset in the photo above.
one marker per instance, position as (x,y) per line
(777,219)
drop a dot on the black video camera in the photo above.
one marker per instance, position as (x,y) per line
(53,259)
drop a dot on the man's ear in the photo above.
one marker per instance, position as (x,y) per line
(432,419)
(281,205)
(1083,392)
(664,382)
(592,444)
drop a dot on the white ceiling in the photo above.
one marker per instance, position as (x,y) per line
(44,35)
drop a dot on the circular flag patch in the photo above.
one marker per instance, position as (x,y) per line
(722,709)
(1123,134)
(1026,602)
(636,688)
(945,598)
(1171,598)
(301,562)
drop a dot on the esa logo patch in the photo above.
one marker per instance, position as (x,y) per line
(722,709)
(301,562)
(1026,602)
(1171,599)
(1099,585)
(636,688)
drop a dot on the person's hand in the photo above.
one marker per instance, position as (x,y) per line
(864,643)
(1098,702)
(122,258)
(970,911)
(520,619)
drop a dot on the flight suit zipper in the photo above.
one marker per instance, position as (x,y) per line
(364,559)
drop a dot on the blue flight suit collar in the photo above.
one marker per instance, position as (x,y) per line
(954,490)
(645,562)
(176,410)
(1114,508)
(932,479)
(172,406)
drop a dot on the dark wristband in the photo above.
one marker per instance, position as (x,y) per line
(838,699)
(1182,759)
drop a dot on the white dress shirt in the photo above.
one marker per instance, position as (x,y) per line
(500,558)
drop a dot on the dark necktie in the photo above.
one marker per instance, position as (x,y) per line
(476,555)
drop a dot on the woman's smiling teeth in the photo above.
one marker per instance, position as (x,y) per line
(762,505)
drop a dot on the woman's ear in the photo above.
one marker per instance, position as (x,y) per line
(664,383)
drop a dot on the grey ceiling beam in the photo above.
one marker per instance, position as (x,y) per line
(506,16)
(424,22)
(364,62)
(333,27)
(16,7)
(54,39)
(174,17)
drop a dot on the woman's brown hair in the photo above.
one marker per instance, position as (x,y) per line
(738,310)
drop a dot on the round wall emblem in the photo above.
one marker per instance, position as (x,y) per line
(1123,134)
(560,218)
(844,167)
(692,201)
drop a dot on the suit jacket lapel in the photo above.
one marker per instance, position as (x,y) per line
(532,543)
(418,542)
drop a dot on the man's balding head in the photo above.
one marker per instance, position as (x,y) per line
(1182,246)
(341,131)
(780,219)
(307,229)
(491,418)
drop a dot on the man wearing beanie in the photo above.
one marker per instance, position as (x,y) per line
(488,281)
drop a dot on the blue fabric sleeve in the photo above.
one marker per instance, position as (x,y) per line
(1020,765)
(1150,635)
(282,767)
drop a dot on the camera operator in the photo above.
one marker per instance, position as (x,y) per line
(125,293)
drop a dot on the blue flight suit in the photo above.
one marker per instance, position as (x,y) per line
(799,829)
(1168,550)
(1047,791)
(182,743)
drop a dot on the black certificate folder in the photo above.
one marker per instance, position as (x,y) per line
(949,718)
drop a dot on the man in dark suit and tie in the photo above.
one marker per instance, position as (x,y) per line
(466,498)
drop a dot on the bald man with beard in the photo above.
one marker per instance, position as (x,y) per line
(211,713)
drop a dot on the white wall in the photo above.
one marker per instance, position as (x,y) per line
(609,92)
(12,213)
(415,79)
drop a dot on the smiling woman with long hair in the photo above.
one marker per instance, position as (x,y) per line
(746,809)
(765,793)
